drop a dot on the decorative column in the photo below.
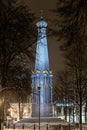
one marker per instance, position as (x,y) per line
(42,76)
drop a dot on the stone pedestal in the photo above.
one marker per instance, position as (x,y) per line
(46,110)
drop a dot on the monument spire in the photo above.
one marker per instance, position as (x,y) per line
(42,76)
(42,60)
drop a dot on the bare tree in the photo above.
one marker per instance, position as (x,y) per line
(72,24)
(16,34)
(64,92)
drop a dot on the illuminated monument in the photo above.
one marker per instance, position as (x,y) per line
(42,76)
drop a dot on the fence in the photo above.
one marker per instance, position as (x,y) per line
(43,126)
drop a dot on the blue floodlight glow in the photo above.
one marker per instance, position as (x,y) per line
(42,75)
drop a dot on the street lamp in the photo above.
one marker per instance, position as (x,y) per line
(38,88)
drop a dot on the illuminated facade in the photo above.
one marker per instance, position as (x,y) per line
(14,114)
(42,76)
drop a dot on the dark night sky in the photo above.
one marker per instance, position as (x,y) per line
(56,60)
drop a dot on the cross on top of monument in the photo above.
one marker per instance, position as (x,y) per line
(41,14)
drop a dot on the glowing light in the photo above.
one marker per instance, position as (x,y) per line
(45,71)
(38,71)
(42,76)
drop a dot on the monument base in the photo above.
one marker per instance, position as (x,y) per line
(46,114)
(42,120)
(46,110)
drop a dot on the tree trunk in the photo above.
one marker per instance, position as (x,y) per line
(80,120)
(19,109)
(73,114)
(86,113)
